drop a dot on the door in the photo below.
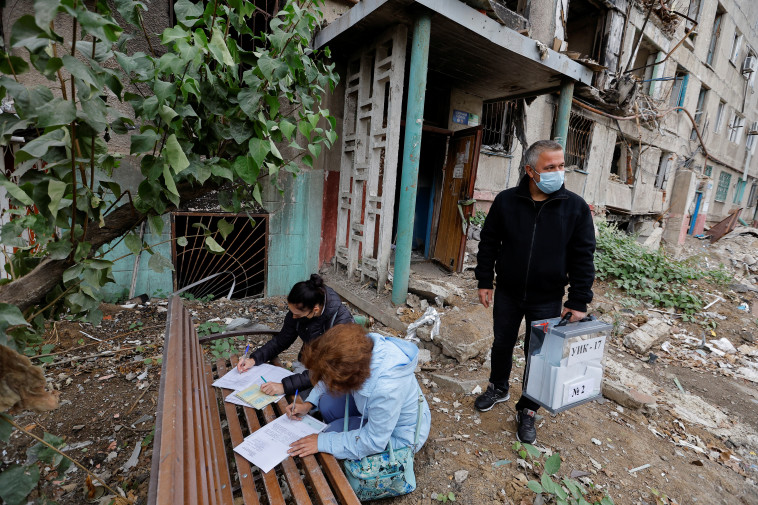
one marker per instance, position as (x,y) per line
(457,191)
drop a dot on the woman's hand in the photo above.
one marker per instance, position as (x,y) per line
(305,446)
(273,388)
(245,364)
(297,410)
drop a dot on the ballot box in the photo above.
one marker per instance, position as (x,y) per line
(565,362)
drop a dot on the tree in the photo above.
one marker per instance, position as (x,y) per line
(217,108)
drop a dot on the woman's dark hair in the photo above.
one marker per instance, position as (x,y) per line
(341,358)
(308,294)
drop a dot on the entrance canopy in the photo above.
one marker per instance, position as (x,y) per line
(474,52)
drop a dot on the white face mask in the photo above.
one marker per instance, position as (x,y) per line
(550,182)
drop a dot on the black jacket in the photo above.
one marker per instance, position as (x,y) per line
(537,249)
(308,330)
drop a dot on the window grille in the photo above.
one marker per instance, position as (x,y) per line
(722,189)
(708,171)
(499,126)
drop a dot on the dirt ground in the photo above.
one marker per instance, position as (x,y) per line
(700,443)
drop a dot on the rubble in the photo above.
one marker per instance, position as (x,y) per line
(643,338)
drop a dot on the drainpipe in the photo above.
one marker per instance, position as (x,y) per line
(414,119)
(564,111)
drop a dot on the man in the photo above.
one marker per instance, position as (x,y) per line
(538,237)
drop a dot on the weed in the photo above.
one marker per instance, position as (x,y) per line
(204,299)
(650,275)
(442,497)
(477,218)
(137,325)
(209,328)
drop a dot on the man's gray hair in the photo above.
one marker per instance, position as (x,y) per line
(539,147)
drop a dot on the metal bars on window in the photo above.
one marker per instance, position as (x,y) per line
(498,126)
(725,178)
(578,141)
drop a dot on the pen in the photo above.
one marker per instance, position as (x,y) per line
(264,380)
(246,349)
(292,409)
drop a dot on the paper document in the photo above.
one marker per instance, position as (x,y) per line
(255,397)
(268,446)
(235,380)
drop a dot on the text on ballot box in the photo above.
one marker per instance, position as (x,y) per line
(565,362)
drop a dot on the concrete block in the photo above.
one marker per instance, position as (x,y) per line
(628,397)
(653,242)
(454,384)
(424,356)
(644,337)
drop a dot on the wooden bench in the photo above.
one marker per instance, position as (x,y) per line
(193,461)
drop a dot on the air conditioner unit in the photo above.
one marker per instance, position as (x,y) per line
(748,66)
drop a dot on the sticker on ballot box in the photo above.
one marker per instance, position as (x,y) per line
(586,350)
(579,391)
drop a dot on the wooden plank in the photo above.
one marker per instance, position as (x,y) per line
(336,476)
(318,481)
(224,475)
(192,473)
(244,469)
(270,482)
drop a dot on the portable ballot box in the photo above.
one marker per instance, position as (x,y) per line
(565,362)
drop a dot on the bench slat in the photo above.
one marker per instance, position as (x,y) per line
(339,482)
(192,471)
(224,475)
(244,469)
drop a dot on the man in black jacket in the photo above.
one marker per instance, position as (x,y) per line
(538,237)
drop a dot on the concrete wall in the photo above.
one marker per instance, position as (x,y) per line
(462,101)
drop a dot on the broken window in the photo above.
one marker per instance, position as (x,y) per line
(498,125)
(753,197)
(624,162)
(739,191)
(664,167)
(751,134)
(699,110)
(715,35)
(578,141)
(585,28)
(725,178)
(735,128)
(749,67)
(736,45)
(679,88)
(693,13)
(645,70)
(719,116)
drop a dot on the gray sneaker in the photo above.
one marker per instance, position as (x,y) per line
(489,398)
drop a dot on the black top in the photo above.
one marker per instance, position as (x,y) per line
(308,330)
(537,248)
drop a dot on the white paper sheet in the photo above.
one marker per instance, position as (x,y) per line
(236,380)
(268,446)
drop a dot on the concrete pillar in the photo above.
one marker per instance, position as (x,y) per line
(564,111)
(414,119)
(682,194)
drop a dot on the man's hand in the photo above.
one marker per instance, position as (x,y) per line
(575,314)
(485,297)
(305,446)
(245,364)
(273,388)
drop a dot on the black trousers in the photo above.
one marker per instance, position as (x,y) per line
(507,316)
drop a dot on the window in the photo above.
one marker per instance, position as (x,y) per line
(735,128)
(625,157)
(719,116)
(679,89)
(736,45)
(739,191)
(578,141)
(699,110)
(708,171)
(664,167)
(751,134)
(753,197)
(725,178)
(749,67)
(499,125)
(715,35)
(693,13)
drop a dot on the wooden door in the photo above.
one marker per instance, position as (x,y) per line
(457,188)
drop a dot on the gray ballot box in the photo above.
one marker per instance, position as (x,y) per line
(565,362)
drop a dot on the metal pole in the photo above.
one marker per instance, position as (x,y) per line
(564,111)
(414,119)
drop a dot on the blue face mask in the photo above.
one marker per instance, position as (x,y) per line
(550,182)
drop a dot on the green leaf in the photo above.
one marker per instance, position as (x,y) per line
(129,9)
(305,128)
(249,101)
(26,33)
(45,11)
(547,483)
(99,26)
(533,451)
(143,142)
(175,155)
(607,500)
(15,192)
(259,149)
(38,147)
(133,243)
(12,64)
(167,113)
(451,496)
(169,179)
(158,263)
(187,13)
(287,128)
(174,33)
(16,482)
(59,250)
(225,228)
(535,486)
(213,246)
(6,428)
(55,190)
(181,241)
(553,464)
(80,70)
(218,48)
(57,112)
(156,224)
(315,149)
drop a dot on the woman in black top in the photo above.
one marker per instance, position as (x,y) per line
(313,309)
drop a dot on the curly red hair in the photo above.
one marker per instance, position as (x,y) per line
(341,358)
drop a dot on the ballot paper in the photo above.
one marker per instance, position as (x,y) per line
(268,446)
(236,381)
(255,397)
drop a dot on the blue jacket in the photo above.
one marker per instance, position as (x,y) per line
(388,400)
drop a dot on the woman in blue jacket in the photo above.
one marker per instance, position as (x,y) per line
(313,308)
(377,374)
